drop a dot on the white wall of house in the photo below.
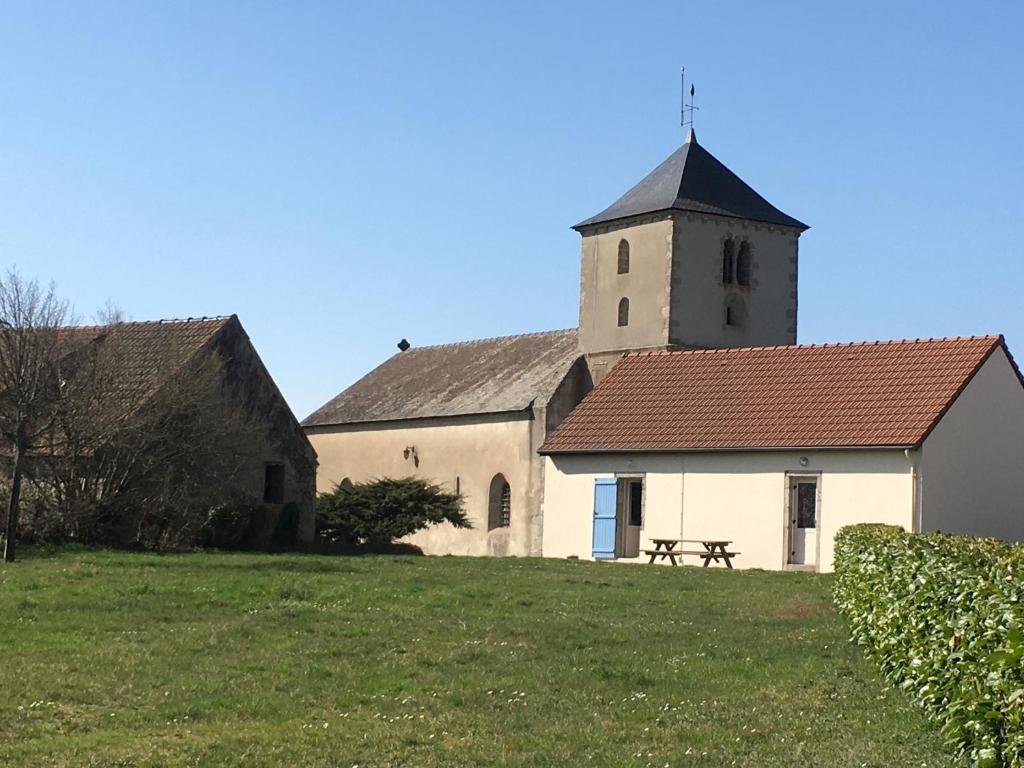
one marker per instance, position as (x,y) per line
(739,496)
(972,464)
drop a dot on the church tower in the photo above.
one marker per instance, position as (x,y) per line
(691,257)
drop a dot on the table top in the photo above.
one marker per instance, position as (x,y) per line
(692,541)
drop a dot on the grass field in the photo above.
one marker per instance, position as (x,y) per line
(118,659)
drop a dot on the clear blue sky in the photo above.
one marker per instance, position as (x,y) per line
(343,175)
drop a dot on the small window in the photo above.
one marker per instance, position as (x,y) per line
(499,503)
(735,312)
(623,257)
(743,264)
(623,312)
(728,260)
(273,484)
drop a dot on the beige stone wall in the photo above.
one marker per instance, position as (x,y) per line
(646,285)
(473,449)
(699,296)
(972,464)
(740,496)
(675,286)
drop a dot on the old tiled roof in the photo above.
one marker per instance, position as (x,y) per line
(838,395)
(692,179)
(144,355)
(486,376)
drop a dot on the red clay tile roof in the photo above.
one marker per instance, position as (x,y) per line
(837,395)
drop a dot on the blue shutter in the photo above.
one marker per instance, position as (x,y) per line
(604,518)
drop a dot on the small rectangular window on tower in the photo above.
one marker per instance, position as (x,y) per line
(273,484)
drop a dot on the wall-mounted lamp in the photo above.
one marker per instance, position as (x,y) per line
(410,452)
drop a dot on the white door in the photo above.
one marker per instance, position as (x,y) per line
(803,521)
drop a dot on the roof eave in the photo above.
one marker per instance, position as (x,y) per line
(527,412)
(798,225)
(729,449)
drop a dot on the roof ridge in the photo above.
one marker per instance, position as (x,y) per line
(489,338)
(992,337)
(162,321)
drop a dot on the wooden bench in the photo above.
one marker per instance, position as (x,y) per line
(712,550)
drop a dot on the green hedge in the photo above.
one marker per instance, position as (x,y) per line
(944,618)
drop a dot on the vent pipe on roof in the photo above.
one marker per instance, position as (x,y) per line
(403,345)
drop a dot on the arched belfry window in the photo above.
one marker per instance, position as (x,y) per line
(623,312)
(728,261)
(499,503)
(743,264)
(623,256)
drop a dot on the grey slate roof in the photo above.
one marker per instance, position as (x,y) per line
(692,179)
(486,376)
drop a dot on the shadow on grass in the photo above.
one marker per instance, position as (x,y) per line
(313,558)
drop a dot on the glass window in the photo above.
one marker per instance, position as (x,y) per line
(806,505)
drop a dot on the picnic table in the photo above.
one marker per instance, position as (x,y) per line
(712,549)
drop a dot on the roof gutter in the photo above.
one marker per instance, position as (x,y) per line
(748,449)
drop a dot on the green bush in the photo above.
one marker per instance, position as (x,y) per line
(944,618)
(228,525)
(378,512)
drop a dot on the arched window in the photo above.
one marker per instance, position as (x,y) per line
(728,260)
(623,256)
(346,484)
(743,264)
(623,312)
(499,503)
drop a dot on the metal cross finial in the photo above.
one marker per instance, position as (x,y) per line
(686,111)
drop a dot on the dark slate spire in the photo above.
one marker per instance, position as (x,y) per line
(692,179)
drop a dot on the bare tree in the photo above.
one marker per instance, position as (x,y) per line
(129,464)
(30,321)
(110,314)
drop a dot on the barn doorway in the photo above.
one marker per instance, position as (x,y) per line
(803,522)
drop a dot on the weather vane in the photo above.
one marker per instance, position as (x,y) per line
(686,112)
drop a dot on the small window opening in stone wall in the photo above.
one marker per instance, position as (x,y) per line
(273,484)
(623,312)
(728,261)
(743,264)
(499,503)
(623,257)
(735,312)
